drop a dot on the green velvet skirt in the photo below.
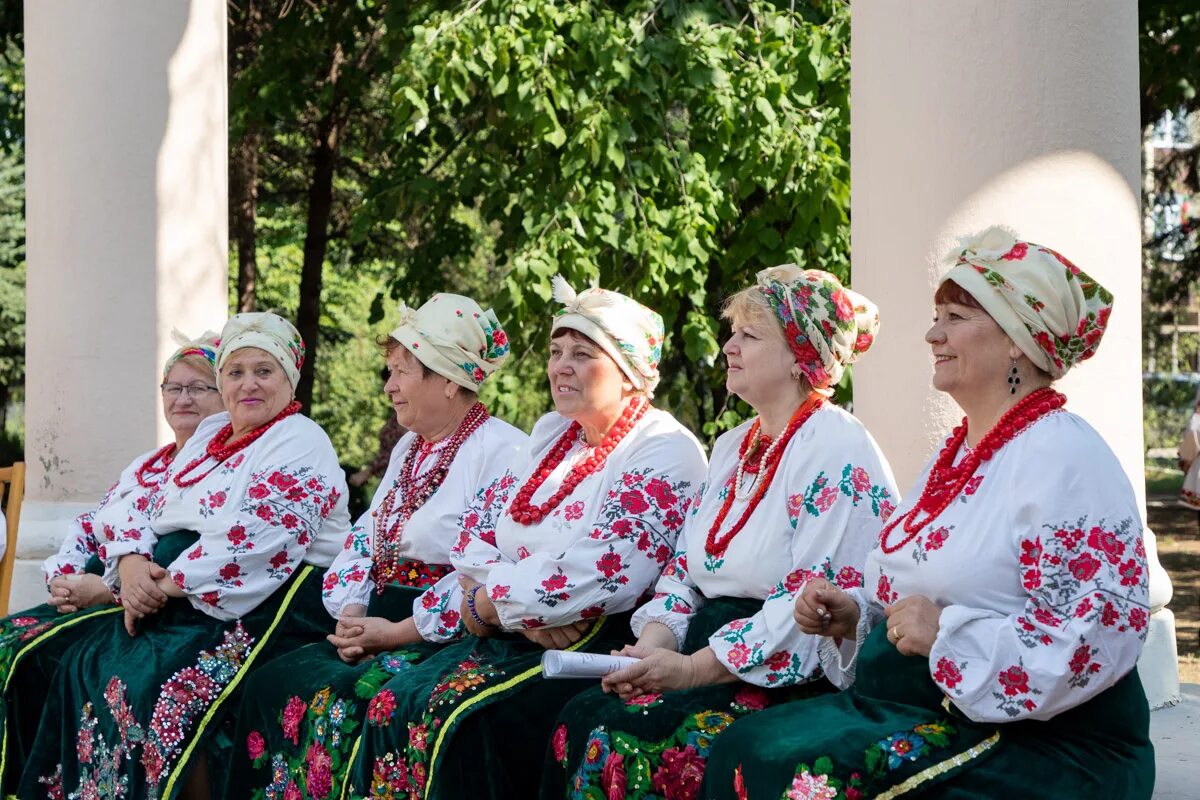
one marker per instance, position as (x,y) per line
(127,717)
(656,745)
(471,720)
(31,645)
(893,734)
(301,714)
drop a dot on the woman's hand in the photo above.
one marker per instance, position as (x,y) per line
(357,638)
(655,635)
(557,638)
(663,670)
(484,608)
(85,591)
(140,592)
(170,588)
(913,625)
(823,609)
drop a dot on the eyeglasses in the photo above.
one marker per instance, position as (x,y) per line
(196,390)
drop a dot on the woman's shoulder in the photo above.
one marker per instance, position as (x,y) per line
(1061,449)
(546,430)
(661,428)
(496,432)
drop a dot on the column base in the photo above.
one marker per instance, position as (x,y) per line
(1158,666)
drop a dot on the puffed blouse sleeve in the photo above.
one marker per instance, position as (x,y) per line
(294,484)
(436,612)
(676,597)
(348,580)
(80,543)
(1081,561)
(841,490)
(633,535)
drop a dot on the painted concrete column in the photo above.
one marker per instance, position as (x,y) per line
(967,113)
(126,153)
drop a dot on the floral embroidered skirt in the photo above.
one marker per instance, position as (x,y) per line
(126,717)
(890,735)
(301,714)
(472,720)
(31,645)
(656,745)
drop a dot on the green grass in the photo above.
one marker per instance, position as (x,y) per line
(1162,479)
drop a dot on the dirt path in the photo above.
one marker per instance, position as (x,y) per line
(1178,533)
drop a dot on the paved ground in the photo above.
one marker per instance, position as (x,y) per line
(1176,735)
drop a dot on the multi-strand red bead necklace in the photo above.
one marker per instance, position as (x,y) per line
(947,480)
(526,514)
(414,492)
(220,448)
(149,474)
(716,544)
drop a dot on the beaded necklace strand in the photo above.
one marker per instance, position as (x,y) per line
(149,474)
(414,492)
(521,509)
(220,448)
(947,480)
(716,544)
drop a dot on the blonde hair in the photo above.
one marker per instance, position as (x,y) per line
(199,363)
(749,304)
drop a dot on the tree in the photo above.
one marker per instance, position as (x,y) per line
(669,149)
(1170,76)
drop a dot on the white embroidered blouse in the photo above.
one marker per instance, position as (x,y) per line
(1040,569)
(485,456)
(279,502)
(596,553)
(819,517)
(80,543)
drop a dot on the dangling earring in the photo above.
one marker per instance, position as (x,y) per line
(1014,378)
(796,374)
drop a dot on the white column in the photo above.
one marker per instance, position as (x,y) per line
(127,237)
(967,113)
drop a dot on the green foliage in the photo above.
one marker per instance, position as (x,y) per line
(1167,406)
(667,149)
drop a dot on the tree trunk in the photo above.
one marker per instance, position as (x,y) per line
(243,211)
(316,241)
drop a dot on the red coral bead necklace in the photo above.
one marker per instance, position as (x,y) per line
(149,474)
(220,448)
(947,480)
(521,509)
(414,491)
(716,544)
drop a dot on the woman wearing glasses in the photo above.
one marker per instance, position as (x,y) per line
(257,502)
(32,641)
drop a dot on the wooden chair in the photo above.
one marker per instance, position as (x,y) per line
(14,477)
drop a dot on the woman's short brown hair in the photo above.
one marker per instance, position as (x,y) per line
(389,343)
(951,292)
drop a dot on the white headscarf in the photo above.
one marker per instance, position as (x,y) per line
(268,332)
(455,338)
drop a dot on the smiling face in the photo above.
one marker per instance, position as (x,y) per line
(584,381)
(758,359)
(419,396)
(254,387)
(185,411)
(971,353)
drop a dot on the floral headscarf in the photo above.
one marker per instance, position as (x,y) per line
(1052,310)
(268,332)
(455,338)
(630,333)
(826,325)
(205,345)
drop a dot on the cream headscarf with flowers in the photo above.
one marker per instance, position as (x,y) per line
(268,332)
(630,333)
(826,325)
(1053,311)
(205,345)
(455,338)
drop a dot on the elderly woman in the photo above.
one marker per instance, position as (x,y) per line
(799,490)
(299,712)
(992,651)
(258,501)
(32,641)
(545,557)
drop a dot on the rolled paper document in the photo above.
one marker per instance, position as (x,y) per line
(569,664)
